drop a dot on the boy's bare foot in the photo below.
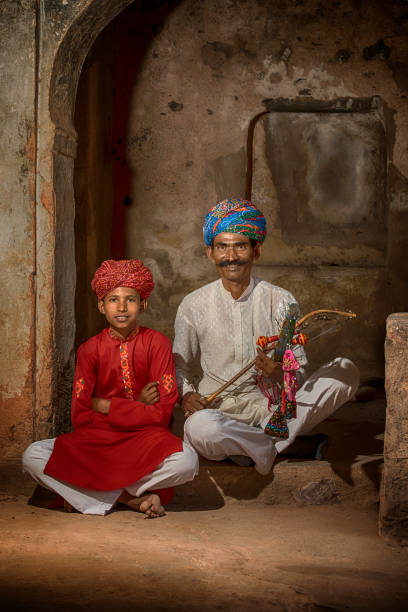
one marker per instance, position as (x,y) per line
(149,504)
(152,507)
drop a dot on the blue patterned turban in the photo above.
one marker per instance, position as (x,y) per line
(237,216)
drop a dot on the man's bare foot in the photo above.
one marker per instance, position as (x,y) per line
(149,504)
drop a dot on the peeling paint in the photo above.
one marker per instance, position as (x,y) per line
(47,197)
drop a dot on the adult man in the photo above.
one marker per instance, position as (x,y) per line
(222,321)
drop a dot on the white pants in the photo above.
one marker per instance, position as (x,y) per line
(174,470)
(216,436)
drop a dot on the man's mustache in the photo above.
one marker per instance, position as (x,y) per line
(234,262)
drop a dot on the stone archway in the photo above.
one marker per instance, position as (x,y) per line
(57,140)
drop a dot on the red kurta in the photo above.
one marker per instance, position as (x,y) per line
(112,451)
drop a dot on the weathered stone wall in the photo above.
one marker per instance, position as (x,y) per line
(394,489)
(17,227)
(209,69)
(204,71)
(42,49)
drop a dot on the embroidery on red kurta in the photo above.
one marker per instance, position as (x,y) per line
(79,386)
(168,382)
(124,363)
(116,336)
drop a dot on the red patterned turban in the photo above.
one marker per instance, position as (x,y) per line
(123,273)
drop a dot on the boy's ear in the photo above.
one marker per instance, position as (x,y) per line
(101,306)
(143,305)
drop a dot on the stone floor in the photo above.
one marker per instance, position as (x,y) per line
(232,540)
(352,465)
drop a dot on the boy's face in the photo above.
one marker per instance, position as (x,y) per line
(121,307)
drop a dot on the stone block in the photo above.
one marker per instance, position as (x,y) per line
(394,487)
(396,383)
(394,501)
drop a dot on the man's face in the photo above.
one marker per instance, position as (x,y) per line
(233,255)
(121,307)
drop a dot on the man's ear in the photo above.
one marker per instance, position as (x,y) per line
(210,253)
(257,250)
(101,307)
(143,305)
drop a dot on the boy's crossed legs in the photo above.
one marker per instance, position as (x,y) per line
(176,469)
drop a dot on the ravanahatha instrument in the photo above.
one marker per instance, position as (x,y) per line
(292,333)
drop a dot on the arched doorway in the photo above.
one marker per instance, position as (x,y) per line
(67,65)
(84,233)
(103,176)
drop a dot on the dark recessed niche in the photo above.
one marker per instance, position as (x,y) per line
(328,166)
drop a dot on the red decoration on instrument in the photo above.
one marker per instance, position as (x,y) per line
(263,341)
(300,339)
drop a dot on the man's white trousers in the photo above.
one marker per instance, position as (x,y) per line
(216,436)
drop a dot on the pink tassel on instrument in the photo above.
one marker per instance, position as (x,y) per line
(277,424)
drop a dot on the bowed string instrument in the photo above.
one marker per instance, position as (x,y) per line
(293,332)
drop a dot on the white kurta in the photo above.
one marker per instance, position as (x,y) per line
(224,331)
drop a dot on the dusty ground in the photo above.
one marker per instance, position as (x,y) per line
(205,555)
(238,557)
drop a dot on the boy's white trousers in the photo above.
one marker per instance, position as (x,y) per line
(174,470)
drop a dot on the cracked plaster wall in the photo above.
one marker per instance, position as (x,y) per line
(37,149)
(17,187)
(204,75)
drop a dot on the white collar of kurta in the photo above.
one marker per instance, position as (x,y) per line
(243,297)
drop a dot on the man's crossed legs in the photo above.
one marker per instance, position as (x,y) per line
(216,436)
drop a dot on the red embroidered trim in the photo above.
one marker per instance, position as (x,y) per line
(116,336)
(124,363)
(79,387)
(168,382)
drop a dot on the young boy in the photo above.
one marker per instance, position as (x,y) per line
(121,449)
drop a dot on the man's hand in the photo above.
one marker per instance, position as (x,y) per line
(101,405)
(193,402)
(268,367)
(150,393)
